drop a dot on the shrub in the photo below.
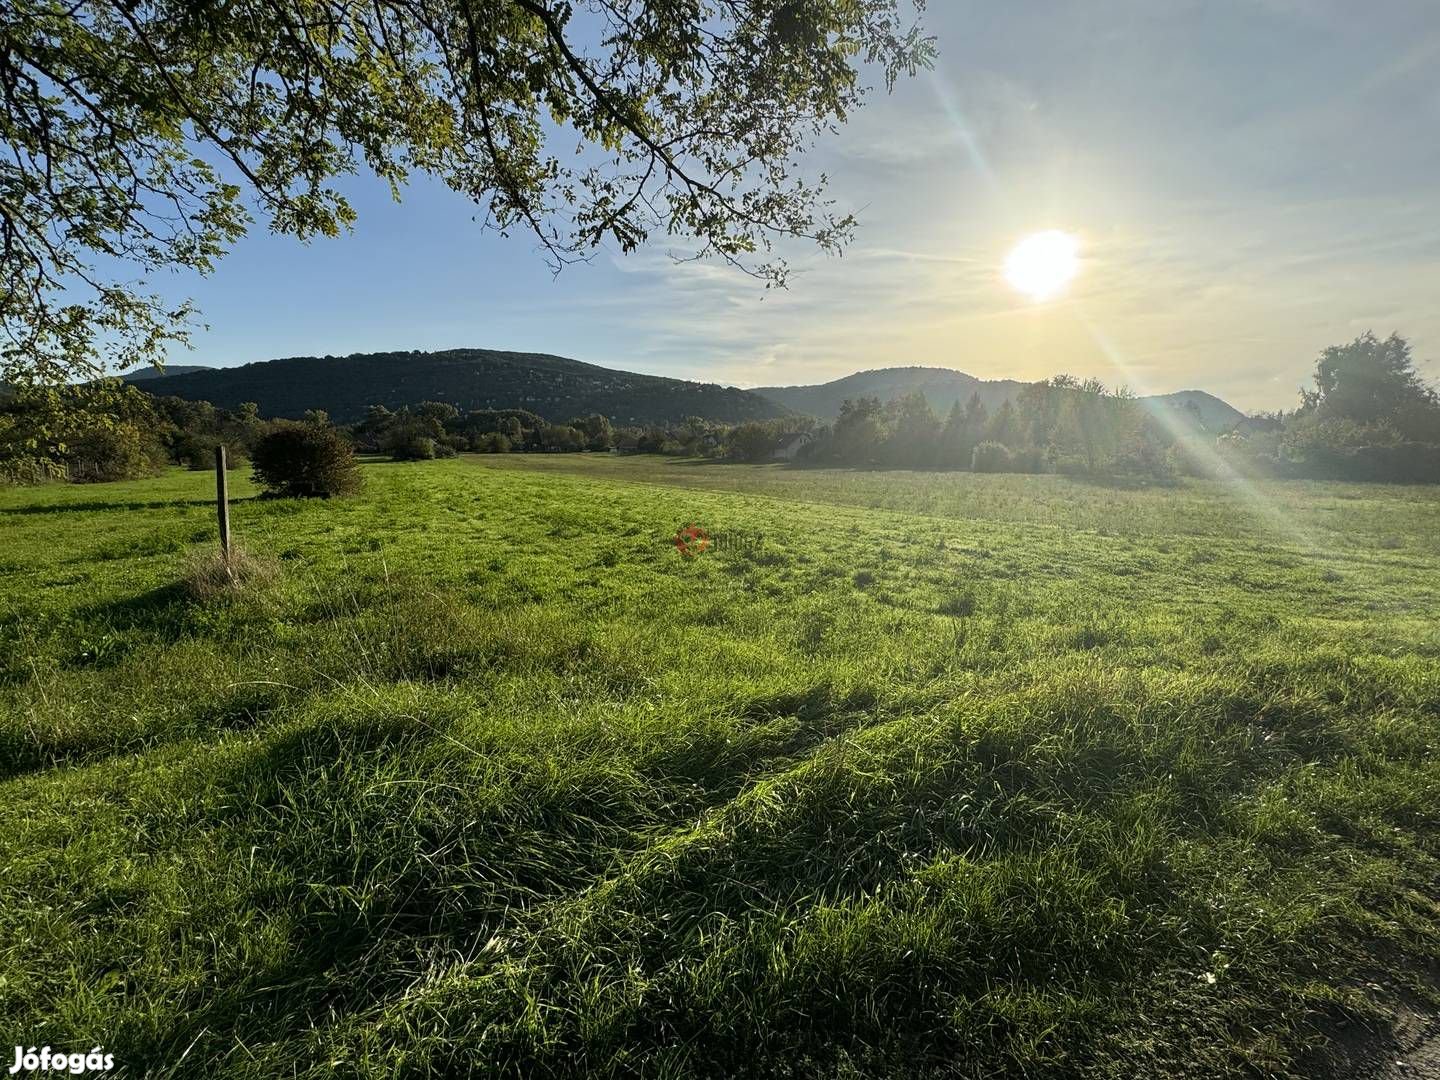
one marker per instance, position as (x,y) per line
(409,438)
(192,451)
(304,460)
(561,438)
(1220,458)
(1404,463)
(410,445)
(1144,456)
(28,470)
(1030,460)
(121,451)
(960,605)
(755,440)
(992,457)
(197,452)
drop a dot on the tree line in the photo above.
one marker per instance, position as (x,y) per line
(1061,424)
(114,431)
(1368,416)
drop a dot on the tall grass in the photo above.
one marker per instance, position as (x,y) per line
(490,781)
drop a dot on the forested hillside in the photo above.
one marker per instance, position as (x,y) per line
(552,387)
(943,388)
(147,372)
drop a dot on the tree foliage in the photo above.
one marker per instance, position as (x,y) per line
(1371,384)
(1370,416)
(992,457)
(413,434)
(124,450)
(552,386)
(1059,424)
(142,134)
(305,460)
(762,440)
(100,431)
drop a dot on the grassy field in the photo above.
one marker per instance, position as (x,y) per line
(912,775)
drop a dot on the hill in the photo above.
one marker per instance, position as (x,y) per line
(942,387)
(1213,414)
(552,386)
(145,374)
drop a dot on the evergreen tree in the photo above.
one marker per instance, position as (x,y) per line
(1004,427)
(977,420)
(859,433)
(914,432)
(953,453)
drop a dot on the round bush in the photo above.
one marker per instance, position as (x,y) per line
(992,457)
(305,460)
(411,446)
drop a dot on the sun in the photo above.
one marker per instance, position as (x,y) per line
(1043,264)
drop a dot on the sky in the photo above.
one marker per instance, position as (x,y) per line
(1248,180)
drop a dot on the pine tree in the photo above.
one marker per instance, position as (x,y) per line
(953,454)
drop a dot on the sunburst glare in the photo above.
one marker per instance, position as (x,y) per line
(1042,265)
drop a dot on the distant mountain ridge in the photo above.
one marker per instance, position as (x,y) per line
(1216,414)
(943,387)
(553,387)
(145,374)
(560,389)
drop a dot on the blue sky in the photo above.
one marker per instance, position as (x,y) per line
(1250,181)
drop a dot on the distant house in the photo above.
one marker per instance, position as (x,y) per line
(710,444)
(790,446)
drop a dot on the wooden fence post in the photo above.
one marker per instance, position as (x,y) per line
(222,503)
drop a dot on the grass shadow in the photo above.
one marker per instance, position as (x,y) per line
(99,506)
(166,611)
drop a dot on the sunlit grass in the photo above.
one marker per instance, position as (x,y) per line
(951,774)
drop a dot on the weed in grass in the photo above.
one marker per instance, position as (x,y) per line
(225,574)
(960,605)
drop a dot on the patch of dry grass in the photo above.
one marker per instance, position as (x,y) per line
(214,574)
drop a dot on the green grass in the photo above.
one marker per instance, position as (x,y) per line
(949,775)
